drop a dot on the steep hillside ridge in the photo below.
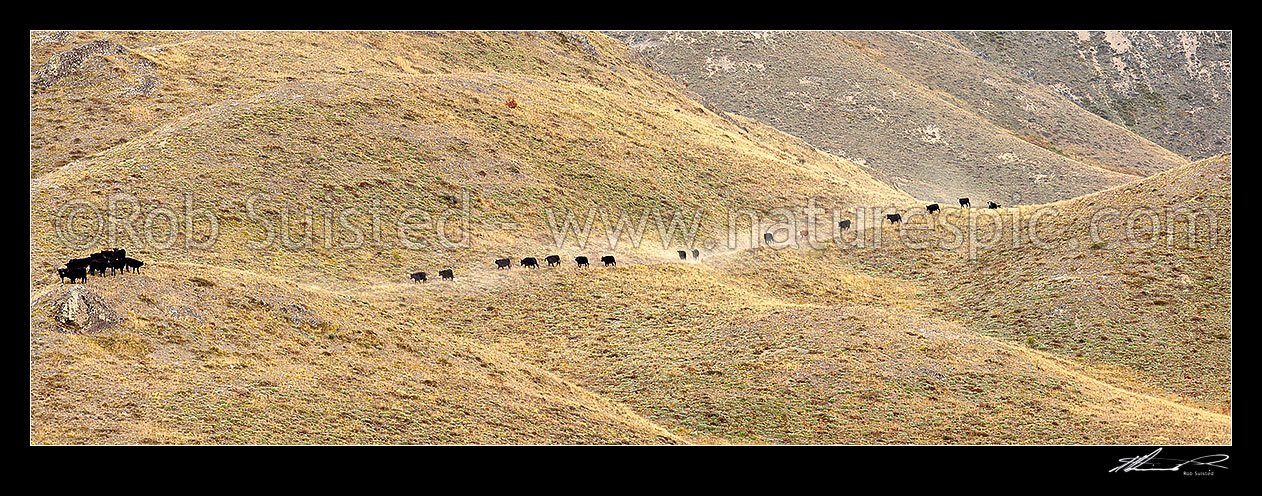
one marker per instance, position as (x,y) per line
(95,90)
(613,136)
(91,91)
(1154,304)
(321,343)
(835,91)
(1031,111)
(781,346)
(232,357)
(203,355)
(1172,87)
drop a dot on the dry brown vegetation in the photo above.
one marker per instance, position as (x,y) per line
(916,109)
(1029,110)
(325,345)
(1155,310)
(1172,87)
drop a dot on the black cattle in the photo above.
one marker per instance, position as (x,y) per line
(894,218)
(447,274)
(609,260)
(768,238)
(553,260)
(581,261)
(133,264)
(120,253)
(420,277)
(964,202)
(992,205)
(97,266)
(683,255)
(932,208)
(118,264)
(530,262)
(75,263)
(845,224)
(503,263)
(73,273)
(696,254)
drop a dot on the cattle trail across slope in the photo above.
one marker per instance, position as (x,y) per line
(486,286)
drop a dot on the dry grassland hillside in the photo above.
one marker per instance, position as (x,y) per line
(493,132)
(916,109)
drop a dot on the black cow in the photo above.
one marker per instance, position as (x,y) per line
(581,261)
(120,253)
(845,224)
(530,262)
(992,205)
(553,260)
(503,263)
(932,208)
(964,203)
(420,277)
(768,238)
(118,264)
(696,254)
(97,266)
(609,260)
(894,218)
(73,273)
(683,255)
(447,274)
(133,264)
(75,263)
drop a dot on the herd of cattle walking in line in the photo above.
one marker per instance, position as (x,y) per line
(932,208)
(555,260)
(117,259)
(97,263)
(533,263)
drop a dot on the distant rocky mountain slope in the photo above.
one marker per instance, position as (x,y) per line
(919,110)
(1172,87)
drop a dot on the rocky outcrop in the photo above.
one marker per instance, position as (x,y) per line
(80,311)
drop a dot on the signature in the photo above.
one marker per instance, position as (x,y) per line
(1150,463)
